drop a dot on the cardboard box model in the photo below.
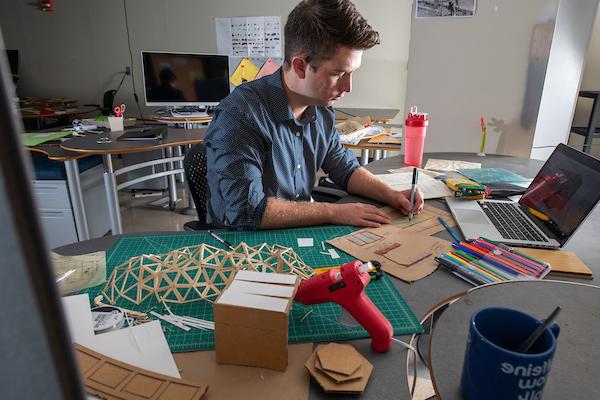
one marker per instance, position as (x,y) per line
(251,320)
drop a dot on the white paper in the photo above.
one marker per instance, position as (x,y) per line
(272,36)
(239,39)
(267,277)
(305,242)
(449,165)
(264,289)
(79,317)
(334,254)
(431,188)
(255,35)
(253,301)
(249,36)
(223,28)
(119,344)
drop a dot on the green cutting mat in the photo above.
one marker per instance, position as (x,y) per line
(304,326)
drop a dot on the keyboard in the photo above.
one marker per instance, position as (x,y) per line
(510,222)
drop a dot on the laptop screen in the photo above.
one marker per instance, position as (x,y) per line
(565,191)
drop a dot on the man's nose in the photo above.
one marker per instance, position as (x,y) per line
(346,83)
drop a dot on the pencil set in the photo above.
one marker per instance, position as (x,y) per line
(483,261)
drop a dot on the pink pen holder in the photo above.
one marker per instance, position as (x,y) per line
(414,137)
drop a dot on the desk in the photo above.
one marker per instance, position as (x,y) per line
(381,115)
(575,365)
(175,137)
(389,375)
(54,152)
(384,115)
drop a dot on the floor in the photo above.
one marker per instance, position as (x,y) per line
(138,215)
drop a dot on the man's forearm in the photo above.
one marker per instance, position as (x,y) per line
(284,214)
(365,184)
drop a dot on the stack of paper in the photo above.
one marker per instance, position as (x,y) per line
(432,188)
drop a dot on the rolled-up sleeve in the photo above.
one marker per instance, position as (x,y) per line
(339,163)
(235,151)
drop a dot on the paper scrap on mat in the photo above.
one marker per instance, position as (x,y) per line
(432,188)
(449,165)
(74,273)
(305,242)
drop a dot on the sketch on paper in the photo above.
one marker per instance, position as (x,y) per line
(445,8)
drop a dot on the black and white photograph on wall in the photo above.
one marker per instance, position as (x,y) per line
(445,8)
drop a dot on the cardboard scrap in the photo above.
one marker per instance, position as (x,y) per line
(333,382)
(110,379)
(232,382)
(564,263)
(402,254)
(340,358)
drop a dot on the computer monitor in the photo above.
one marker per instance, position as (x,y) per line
(184,79)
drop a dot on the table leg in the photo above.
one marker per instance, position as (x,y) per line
(76,196)
(112,196)
(179,153)
(376,155)
(589,138)
(171,180)
(364,157)
(384,154)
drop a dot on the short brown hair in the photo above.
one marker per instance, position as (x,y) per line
(316,28)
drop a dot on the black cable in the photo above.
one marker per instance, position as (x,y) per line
(135,96)
(120,83)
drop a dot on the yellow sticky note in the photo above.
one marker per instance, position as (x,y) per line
(245,72)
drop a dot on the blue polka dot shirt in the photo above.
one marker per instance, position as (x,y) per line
(256,149)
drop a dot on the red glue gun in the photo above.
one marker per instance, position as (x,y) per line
(346,287)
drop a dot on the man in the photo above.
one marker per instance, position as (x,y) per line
(269,137)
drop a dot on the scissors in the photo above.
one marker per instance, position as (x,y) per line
(119,110)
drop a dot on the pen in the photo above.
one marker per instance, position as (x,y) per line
(450,231)
(464,274)
(219,239)
(413,188)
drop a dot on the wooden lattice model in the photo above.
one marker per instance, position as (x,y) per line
(196,273)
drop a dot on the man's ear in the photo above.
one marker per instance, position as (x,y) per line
(299,65)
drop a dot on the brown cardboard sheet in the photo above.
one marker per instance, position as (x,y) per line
(406,255)
(231,382)
(110,379)
(564,263)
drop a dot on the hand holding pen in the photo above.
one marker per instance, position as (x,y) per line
(413,189)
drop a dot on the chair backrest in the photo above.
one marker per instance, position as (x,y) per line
(194,164)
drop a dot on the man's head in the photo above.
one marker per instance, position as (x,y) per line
(324,42)
(166,77)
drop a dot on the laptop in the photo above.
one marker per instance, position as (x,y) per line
(557,201)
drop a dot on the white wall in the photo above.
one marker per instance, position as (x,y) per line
(463,68)
(80,49)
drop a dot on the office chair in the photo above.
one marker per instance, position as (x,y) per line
(327,191)
(195,168)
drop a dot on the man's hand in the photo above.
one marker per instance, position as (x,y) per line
(401,201)
(358,214)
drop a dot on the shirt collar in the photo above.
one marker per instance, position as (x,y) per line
(279,103)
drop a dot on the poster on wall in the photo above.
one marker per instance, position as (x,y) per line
(445,8)
(249,36)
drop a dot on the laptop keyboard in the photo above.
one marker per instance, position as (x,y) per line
(510,222)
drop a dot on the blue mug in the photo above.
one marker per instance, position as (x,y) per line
(493,369)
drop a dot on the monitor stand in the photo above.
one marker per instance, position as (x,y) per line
(189,111)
